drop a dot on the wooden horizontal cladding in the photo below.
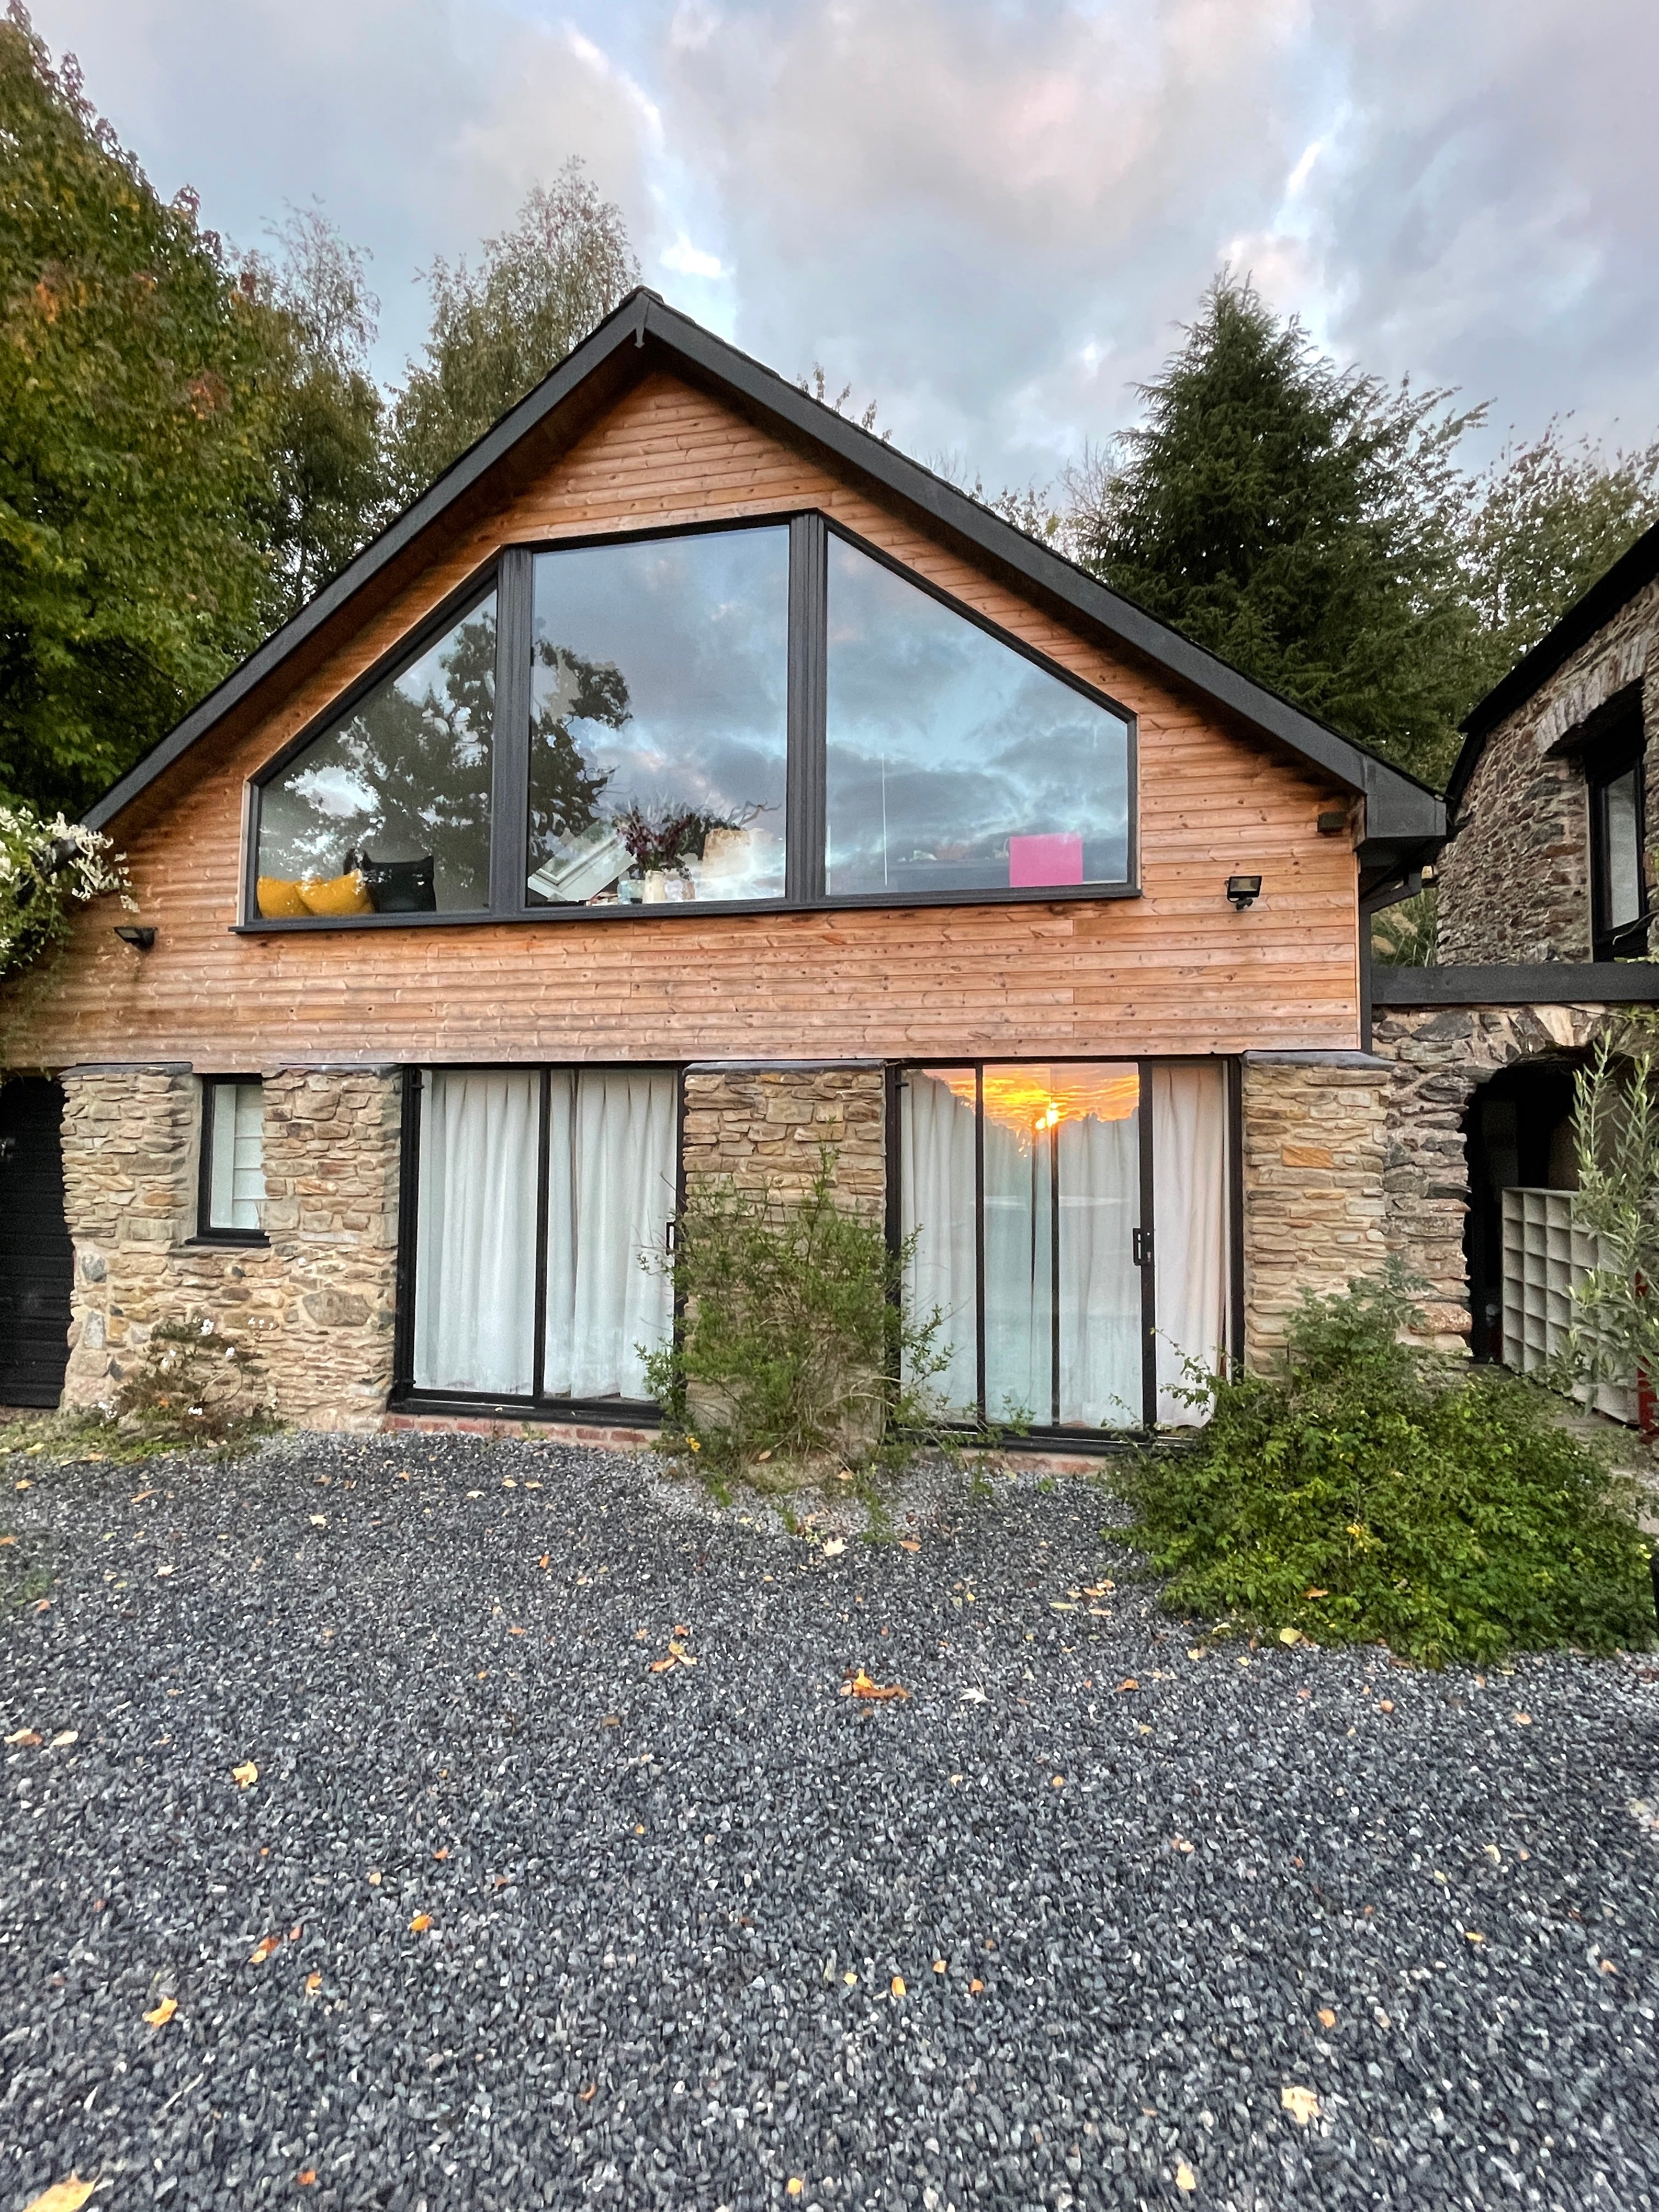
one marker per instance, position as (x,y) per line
(1175,970)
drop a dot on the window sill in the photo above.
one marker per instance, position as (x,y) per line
(226,1240)
(692,910)
(596,1412)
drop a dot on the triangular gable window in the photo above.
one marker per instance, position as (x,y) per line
(955,762)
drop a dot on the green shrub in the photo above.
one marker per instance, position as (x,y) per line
(792,1336)
(1373,1491)
(194,1381)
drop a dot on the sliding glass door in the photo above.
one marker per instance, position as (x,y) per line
(542,1205)
(1071,1227)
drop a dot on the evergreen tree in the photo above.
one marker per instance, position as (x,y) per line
(1301,521)
(498,328)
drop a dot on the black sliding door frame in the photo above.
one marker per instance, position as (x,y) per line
(1144,1247)
(408,1396)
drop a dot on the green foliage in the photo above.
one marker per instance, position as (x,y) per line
(1299,520)
(134,435)
(48,868)
(1373,1491)
(194,1382)
(1406,935)
(794,1334)
(497,330)
(1615,1332)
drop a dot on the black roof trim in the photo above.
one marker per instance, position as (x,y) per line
(1548,983)
(1400,810)
(1636,566)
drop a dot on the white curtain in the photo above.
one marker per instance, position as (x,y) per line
(1100,1333)
(610,1193)
(475,1267)
(1189,1246)
(936,1187)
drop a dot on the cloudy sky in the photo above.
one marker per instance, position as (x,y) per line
(988,215)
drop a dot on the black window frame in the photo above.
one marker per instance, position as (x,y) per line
(1051,1432)
(1610,762)
(409,1397)
(508,573)
(206,1232)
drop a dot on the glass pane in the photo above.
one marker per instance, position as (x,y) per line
(1062,1198)
(1624,856)
(955,764)
(611,1192)
(1190,1248)
(658,720)
(389,811)
(475,1262)
(936,1187)
(236,1181)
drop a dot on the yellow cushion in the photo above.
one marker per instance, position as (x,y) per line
(280,900)
(339,894)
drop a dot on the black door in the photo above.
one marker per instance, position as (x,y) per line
(36,1260)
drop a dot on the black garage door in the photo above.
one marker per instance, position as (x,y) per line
(36,1261)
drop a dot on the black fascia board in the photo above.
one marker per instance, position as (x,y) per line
(1548,983)
(1400,810)
(1636,566)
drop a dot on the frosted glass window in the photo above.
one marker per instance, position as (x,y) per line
(1622,801)
(955,762)
(236,1168)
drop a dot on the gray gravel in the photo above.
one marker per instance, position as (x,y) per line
(668,1909)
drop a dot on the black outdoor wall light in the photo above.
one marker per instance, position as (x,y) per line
(139,935)
(1244,890)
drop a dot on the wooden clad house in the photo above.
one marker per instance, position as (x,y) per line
(686,781)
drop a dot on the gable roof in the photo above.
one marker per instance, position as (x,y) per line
(1613,589)
(1405,819)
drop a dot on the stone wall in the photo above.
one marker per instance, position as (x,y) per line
(317,1302)
(1515,879)
(766,1125)
(1313,1151)
(1439,1056)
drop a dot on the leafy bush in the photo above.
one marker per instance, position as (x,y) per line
(48,867)
(1375,1492)
(794,1336)
(1615,1335)
(194,1382)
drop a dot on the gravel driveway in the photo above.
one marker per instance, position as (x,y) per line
(1062,1929)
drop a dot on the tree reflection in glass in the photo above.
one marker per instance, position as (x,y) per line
(659,720)
(403,777)
(955,763)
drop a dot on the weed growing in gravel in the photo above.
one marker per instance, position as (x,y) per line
(797,1355)
(1373,1491)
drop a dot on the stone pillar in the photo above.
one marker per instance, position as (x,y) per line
(762,1125)
(332,1149)
(1313,1144)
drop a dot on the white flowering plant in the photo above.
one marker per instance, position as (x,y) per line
(48,867)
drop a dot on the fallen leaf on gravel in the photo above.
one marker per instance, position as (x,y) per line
(939,1965)
(793,2186)
(515,1631)
(1058,1782)
(1327,2017)
(835,1547)
(305,2176)
(611,1720)
(263,1949)
(474,1493)
(851,1979)
(1607,1966)
(1195,1654)
(972,1697)
(1301,2104)
(1474,1936)
(1385,1704)
(1186,2179)
(544,1559)
(374,1879)
(507,1482)
(64,1738)
(63,2196)
(588,2093)
(1178,1844)
(973,1988)
(23,1485)
(443,1854)
(897,1985)
(318,1520)
(908,1544)
(26,1737)
(164,1570)
(1060,1605)
(420,1923)
(858,1685)
(163,2012)
(7,1540)
(1097,1589)
(1523,1720)
(140,1499)
(1128,1683)
(1290,1635)
(244,1775)
(313,1983)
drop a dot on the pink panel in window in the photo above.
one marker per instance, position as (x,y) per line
(1055,856)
